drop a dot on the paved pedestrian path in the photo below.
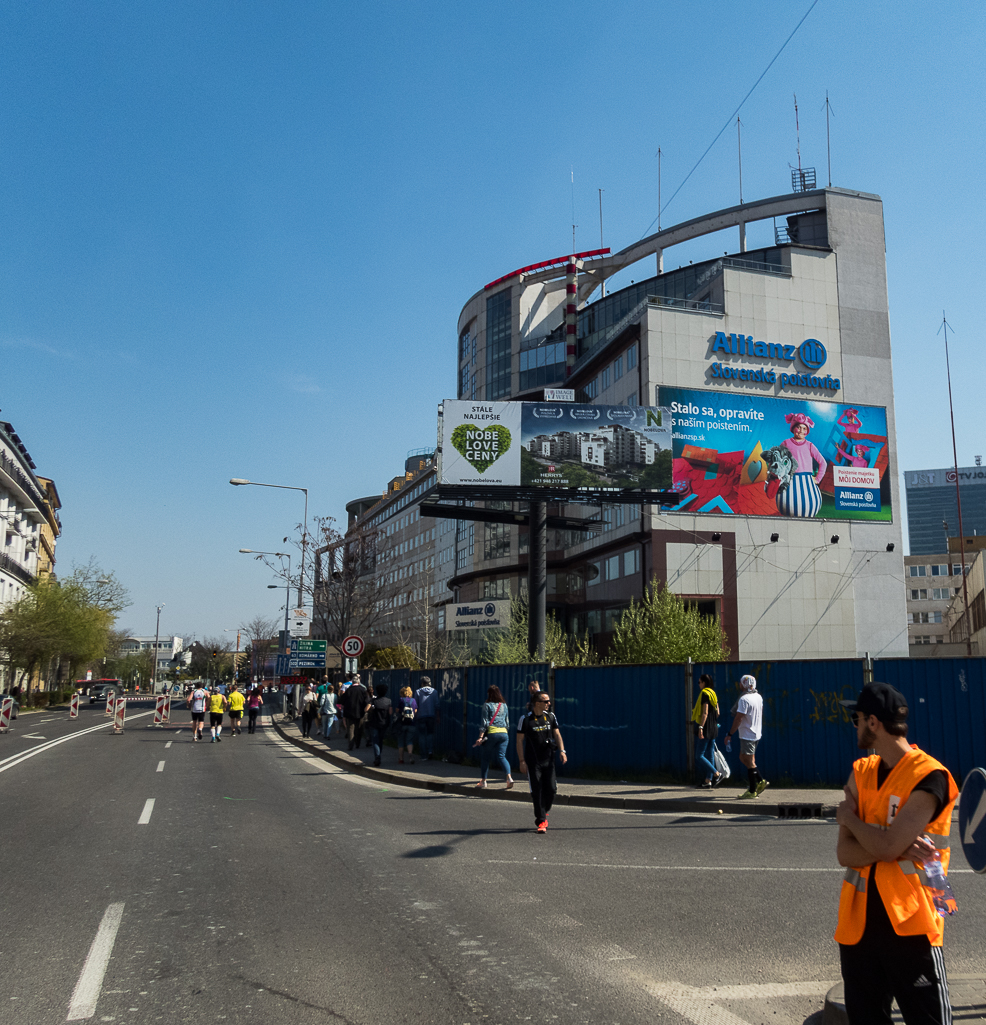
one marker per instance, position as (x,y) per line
(450,777)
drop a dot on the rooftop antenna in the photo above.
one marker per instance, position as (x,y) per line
(828,135)
(958,498)
(797,131)
(739,150)
(660,252)
(601,234)
(573,209)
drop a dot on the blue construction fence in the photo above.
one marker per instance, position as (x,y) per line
(635,719)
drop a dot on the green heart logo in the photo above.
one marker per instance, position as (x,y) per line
(481,445)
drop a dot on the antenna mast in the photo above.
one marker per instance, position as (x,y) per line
(958,498)
(828,136)
(601,235)
(573,210)
(797,132)
(739,150)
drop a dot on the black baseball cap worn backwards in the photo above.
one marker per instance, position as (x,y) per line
(880,699)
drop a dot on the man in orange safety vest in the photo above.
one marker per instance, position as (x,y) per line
(895,820)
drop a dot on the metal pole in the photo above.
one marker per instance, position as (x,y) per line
(157,634)
(601,234)
(537,579)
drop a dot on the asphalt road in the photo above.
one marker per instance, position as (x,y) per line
(266,886)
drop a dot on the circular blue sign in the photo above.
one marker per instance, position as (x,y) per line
(812,353)
(490,609)
(972,819)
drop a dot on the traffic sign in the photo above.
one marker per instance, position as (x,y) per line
(283,665)
(972,819)
(312,660)
(353,646)
(304,644)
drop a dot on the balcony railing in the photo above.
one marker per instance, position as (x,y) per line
(15,569)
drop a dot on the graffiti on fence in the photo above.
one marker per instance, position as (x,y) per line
(450,683)
(828,707)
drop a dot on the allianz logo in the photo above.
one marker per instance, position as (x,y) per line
(811,352)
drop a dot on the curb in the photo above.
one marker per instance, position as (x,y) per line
(652,804)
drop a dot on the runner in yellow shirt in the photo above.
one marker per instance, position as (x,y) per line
(217,705)
(236,703)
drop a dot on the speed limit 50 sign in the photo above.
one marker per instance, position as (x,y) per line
(353,646)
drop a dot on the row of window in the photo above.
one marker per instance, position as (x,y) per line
(925,639)
(609,569)
(935,593)
(942,570)
(923,617)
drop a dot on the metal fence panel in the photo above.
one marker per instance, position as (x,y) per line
(947,707)
(807,735)
(622,718)
(512,681)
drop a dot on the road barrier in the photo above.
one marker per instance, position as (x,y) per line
(6,708)
(119,714)
(162,709)
(73,706)
(110,701)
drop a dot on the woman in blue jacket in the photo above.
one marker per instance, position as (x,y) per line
(493,738)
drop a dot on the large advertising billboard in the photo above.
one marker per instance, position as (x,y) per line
(556,446)
(748,455)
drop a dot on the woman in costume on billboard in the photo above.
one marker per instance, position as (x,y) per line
(802,497)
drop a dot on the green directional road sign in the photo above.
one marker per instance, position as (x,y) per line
(302,644)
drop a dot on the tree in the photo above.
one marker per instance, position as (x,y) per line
(662,628)
(101,589)
(262,635)
(509,646)
(398,657)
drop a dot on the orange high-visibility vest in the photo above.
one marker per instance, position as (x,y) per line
(902,884)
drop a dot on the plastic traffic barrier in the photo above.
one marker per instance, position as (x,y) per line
(6,707)
(162,709)
(73,706)
(119,714)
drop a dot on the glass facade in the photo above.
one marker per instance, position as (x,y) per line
(929,508)
(543,366)
(498,345)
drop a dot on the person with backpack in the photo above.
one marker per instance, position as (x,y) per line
(379,714)
(407,709)
(354,703)
(427,717)
(493,737)
(705,715)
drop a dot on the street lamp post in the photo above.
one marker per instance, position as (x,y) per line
(236,657)
(240,481)
(157,635)
(279,555)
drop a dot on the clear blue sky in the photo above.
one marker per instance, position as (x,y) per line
(235,238)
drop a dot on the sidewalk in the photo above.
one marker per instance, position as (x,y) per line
(451,778)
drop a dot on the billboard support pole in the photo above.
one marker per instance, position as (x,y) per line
(537,579)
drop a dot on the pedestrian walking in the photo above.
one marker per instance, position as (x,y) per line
(427,717)
(309,708)
(379,713)
(327,708)
(493,737)
(538,737)
(196,701)
(354,704)
(705,715)
(406,711)
(217,706)
(255,702)
(748,722)
(236,703)
(893,824)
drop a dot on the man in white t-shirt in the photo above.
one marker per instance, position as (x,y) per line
(748,722)
(196,702)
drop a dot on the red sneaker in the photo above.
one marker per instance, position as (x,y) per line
(543,827)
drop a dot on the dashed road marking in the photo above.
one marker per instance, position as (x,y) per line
(145,815)
(86,993)
(160,766)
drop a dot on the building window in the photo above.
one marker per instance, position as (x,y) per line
(590,391)
(632,357)
(613,567)
(940,571)
(919,571)
(465,344)
(617,368)
(631,562)
(496,588)
(919,595)
(604,383)
(498,336)
(497,544)
(542,366)
(464,383)
(941,593)
(632,399)
(441,619)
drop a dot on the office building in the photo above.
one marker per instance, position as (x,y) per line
(933,509)
(800,325)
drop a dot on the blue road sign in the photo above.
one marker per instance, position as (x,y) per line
(972,819)
(283,665)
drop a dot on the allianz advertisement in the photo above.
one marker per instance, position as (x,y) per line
(479,615)
(751,455)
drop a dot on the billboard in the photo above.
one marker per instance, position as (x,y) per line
(479,615)
(555,446)
(748,455)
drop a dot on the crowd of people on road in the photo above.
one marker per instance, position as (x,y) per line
(220,701)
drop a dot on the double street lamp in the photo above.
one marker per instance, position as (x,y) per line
(239,482)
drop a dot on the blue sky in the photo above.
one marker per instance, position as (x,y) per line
(235,238)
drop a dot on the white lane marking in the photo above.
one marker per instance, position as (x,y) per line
(32,736)
(697,1004)
(9,763)
(160,766)
(166,746)
(670,868)
(145,815)
(333,770)
(86,993)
